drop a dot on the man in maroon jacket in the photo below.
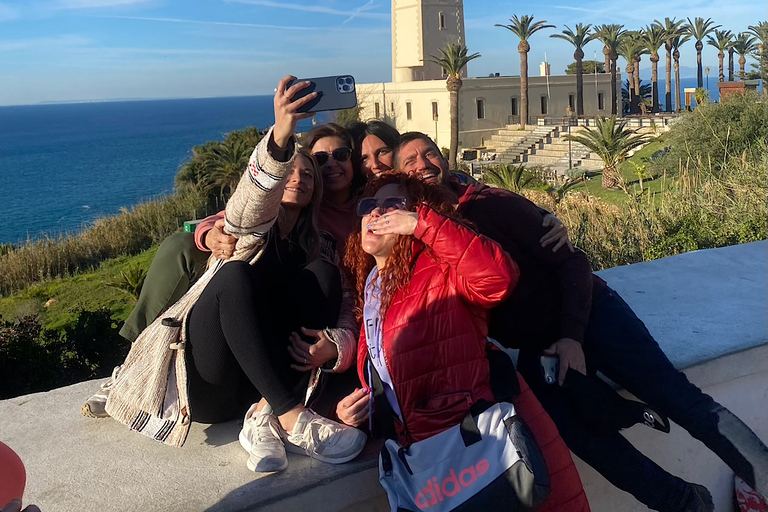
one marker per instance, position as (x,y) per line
(560,308)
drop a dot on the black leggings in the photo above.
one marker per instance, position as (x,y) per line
(238,335)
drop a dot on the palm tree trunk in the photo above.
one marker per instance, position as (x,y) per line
(668,89)
(731,51)
(609,179)
(742,63)
(607,54)
(523,89)
(579,56)
(614,91)
(454,108)
(630,69)
(720,72)
(699,69)
(638,98)
(655,82)
(678,105)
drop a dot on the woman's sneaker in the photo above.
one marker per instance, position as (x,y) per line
(324,439)
(95,406)
(260,437)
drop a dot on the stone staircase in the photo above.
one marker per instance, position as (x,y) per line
(554,152)
(512,144)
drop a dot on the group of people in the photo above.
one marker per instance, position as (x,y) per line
(359,251)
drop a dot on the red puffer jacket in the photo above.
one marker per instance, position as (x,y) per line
(435,332)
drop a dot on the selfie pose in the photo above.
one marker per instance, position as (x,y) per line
(425,284)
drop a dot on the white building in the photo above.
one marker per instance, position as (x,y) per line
(417,100)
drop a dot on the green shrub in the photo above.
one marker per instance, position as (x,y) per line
(715,133)
(34,359)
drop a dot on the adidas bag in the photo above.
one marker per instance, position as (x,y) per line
(489,462)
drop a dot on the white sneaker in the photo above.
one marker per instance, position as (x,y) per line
(260,437)
(324,439)
(95,406)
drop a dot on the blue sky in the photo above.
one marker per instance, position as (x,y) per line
(72,50)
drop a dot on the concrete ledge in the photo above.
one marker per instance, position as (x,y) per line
(707,309)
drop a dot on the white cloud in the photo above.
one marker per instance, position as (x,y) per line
(205,22)
(57,42)
(90,4)
(360,12)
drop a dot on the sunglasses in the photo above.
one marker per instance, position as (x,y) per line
(340,155)
(366,205)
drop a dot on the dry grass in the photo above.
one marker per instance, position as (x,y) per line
(129,232)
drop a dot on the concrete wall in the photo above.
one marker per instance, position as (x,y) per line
(417,34)
(496,93)
(707,309)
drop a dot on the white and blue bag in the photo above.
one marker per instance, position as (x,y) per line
(489,462)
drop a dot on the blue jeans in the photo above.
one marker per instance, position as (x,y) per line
(618,344)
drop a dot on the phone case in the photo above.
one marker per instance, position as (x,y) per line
(333,93)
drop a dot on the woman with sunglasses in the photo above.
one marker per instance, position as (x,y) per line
(425,283)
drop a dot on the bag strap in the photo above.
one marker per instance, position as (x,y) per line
(470,432)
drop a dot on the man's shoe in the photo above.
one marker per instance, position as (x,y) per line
(261,438)
(699,499)
(95,406)
(324,439)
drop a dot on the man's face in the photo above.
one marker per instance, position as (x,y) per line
(421,159)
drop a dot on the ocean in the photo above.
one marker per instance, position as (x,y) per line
(64,165)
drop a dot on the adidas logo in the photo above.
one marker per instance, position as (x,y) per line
(436,492)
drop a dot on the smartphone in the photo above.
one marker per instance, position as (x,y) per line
(333,93)
(550,367)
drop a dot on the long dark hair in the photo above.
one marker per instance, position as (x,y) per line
(359,131)
(305,231)
(334,130)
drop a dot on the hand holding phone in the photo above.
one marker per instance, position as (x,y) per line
(287,104)
(550,367)
(331,93)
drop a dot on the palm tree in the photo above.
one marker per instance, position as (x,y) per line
(700,28)
(761,32)
(677,42)
(611,37)
(721,41)
(628,91)
(629,48)
(578,39)
(744,44)
(653,38)
(612,142)
(731,53)
(673,29)
(508,176)
(453,58)
(524,28)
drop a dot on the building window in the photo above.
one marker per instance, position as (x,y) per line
(515,107)
(408,111)
(376,110)
(572,102)
(441,21)
(392,107)
(434,111)
(600,101)
(480,108)
(544,106)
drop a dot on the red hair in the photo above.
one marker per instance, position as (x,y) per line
(397,272)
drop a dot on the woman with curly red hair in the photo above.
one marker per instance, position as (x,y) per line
(425,283)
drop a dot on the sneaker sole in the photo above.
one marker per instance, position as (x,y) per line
(252,467)
(292,448)
(86,411)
